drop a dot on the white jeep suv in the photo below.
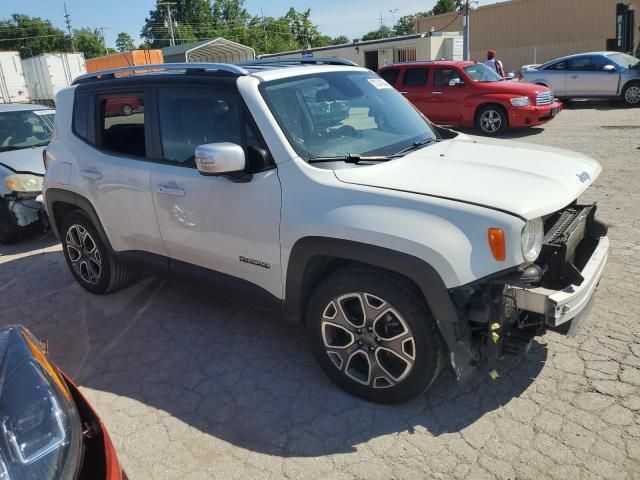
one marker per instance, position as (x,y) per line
(402,247)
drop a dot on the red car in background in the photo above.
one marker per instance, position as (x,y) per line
(116,107)
(48,430)
(470,94)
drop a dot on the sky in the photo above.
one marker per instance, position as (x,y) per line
(352,18)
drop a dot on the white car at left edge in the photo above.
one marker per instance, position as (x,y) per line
(25,130)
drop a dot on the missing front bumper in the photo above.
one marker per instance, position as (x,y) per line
(560,306)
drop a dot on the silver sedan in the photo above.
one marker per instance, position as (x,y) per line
(589,75)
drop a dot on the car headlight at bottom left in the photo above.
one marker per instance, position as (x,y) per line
(40,429)
(23,182)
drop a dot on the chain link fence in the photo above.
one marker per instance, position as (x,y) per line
(514,58)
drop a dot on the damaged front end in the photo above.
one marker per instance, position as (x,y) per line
(507,311)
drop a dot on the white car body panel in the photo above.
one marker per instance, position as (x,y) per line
(486,172)
(218,221)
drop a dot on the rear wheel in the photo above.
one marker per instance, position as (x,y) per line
(631,94)
(491,119)
(89,260)
(373,335)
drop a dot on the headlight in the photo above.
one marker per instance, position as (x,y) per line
(531,241)
(40,430)
(520,101)
(23,182)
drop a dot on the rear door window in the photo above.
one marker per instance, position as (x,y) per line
(415,77)
(122,124)
(391,75)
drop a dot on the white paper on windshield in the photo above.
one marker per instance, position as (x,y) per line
(379,83)
(44,112)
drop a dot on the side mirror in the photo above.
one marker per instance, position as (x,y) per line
(609,68)
(223,158)
(455,82)
(511,75)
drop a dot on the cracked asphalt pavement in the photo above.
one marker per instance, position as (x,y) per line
(196,384)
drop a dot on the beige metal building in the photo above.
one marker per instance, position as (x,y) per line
(374,54)
(533,31)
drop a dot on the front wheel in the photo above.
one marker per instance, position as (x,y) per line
(373,335)
(127,110)
(491,120)
(631,94)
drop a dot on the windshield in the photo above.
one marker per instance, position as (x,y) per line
(625,60)
(336,114)
(482,73)
(25,128)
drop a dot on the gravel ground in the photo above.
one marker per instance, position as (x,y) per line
(196,385)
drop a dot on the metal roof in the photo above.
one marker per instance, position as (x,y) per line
(214,50)
(15,107)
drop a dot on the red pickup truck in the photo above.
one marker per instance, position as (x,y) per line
(470,94)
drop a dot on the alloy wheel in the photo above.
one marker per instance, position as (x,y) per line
(367,340)
(632,95)
(84,254)
(491,121)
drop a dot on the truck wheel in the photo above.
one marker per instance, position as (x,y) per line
(9,231)
(491,119)
(90,262)
(631,94)
(127,110)
(373,335)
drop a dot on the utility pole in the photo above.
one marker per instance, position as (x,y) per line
(104,43)
(465,34)
(67,19)
(172,40)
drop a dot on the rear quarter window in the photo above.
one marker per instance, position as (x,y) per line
(81,117)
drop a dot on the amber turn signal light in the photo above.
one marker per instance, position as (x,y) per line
(496,243)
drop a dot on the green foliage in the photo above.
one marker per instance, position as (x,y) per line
(89,42)
(444,6)
(404,25)
(382,32)
(31,36)
(124,42)
(200,20)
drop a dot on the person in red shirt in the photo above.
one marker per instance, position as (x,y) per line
(494,63)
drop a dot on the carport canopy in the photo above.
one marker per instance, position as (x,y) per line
(216,50)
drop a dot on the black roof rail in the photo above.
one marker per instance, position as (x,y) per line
(299,60)
(187,67)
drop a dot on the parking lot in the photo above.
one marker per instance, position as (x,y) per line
(196,384)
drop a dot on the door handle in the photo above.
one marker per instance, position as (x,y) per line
(403,92)
(91,174)
(169,190)
(437,92)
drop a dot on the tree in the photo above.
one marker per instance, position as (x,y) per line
(444,6)
(340,40)
(31,36)
(382,32)
(89,42)
(124,42)
(194,20)
(404,25)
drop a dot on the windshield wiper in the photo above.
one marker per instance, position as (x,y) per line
(10,147)
(415,146)
(350,158)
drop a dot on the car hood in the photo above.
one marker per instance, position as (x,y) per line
(24,160)
(523,179)
(514,87)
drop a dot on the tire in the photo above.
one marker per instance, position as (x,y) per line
(89,260)
(491,120)
(10,232)
(127,110)
(389,351)
(631,94)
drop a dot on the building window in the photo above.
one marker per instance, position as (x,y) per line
(406,54)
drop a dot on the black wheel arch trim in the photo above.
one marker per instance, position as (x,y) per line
(58,195)
(456,334)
